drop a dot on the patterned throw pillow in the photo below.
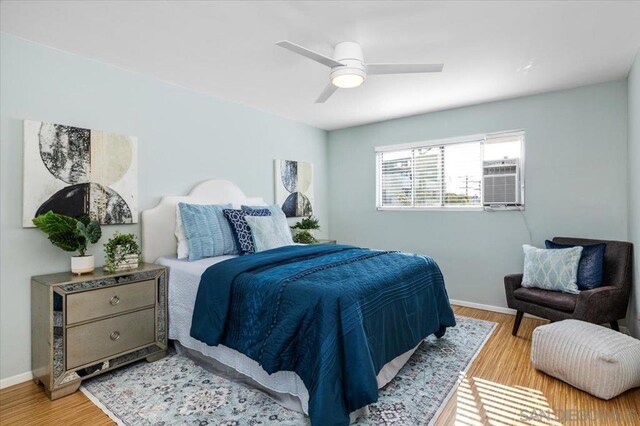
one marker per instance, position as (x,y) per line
(591,266)
(551,269)
(206,231)
(241,231)
(270,231)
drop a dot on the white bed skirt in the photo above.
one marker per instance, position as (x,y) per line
(284,387)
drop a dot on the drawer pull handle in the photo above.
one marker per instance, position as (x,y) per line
(115,335)
(114,300)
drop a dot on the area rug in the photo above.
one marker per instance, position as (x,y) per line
(176,391)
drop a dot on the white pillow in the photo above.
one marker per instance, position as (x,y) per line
(183,246)
(269,232)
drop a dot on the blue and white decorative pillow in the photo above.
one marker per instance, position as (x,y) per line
(551,269)
(240,229)
(270,232)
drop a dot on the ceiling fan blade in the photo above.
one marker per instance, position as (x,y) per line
(326,93)
(314,56)
(373,69)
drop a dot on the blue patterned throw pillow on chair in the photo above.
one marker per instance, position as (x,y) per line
(591,266)
(240,228)
(551,269)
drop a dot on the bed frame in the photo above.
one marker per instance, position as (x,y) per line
(159,223)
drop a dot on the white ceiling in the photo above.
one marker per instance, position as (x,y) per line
(491,50)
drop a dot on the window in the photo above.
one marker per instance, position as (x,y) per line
(473,172)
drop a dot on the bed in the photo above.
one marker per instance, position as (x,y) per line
(200,339)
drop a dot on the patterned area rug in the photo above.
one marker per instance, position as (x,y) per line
(175,390)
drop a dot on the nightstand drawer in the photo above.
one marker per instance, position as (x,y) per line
(89,305)
(101,339)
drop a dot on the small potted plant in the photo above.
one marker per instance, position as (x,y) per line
(304,231)
(71,234)
(310,225)
(121,253)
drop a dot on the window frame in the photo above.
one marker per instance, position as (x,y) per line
(482,138)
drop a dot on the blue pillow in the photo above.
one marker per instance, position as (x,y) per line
(240,229)
(207,232)
(591,267)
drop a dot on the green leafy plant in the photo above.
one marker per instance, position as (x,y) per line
(118,248)
(307,223)
(69,233)
(304,237)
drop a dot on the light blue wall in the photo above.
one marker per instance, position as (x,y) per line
(634,189)
(183,138)
(576,170)
(576,185)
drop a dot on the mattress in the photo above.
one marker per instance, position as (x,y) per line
(285,387)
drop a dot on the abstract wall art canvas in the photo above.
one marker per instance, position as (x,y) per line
(75,171)
(294,187)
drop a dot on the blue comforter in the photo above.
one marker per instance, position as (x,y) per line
(334,314)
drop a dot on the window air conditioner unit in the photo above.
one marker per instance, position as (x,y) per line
(501,180)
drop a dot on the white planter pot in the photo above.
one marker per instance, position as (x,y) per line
(82,264)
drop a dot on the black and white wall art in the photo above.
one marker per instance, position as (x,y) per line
(74,171)
(294,187)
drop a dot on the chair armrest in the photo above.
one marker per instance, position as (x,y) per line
(603,294)
(601,302)
(511,283)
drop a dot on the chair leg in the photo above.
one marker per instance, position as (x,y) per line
(516,324)
(614,325)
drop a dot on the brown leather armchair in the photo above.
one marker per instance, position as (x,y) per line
(605,304)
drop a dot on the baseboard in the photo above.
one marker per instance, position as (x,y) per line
(508,311)
(14,380)
(490,308)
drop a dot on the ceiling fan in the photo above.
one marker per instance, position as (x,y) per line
(348,68)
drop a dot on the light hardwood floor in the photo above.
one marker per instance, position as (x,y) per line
(500,388)
(503,388)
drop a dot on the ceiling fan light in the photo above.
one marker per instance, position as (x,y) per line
(347,81)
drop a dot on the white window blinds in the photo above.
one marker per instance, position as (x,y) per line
(448,175)
(472,172)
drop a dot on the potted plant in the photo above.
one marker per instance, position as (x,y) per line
(304,237)
(71,234)
(308,224)
(121,253)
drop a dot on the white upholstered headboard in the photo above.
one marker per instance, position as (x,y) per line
(159,223)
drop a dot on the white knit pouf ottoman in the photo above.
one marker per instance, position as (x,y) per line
(593,358)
